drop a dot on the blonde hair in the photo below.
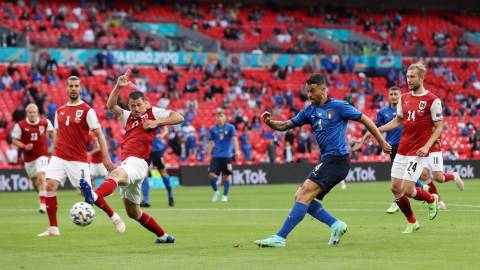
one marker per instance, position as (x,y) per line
(422,70)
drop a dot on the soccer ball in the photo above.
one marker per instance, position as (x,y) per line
(82,214)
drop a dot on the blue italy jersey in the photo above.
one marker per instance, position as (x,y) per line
(222,139)
(329,123)
(385,115)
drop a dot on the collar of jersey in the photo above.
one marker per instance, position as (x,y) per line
(70,104)
(32,124)
(421,95)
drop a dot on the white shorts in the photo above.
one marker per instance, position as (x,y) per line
(38,165)
(59,169)
(137,170)
(435,163)
(98,169)
(408,168)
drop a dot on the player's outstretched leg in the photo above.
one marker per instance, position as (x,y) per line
(145,193)
(97,198)
(432,199)
(337,227)
(294,217)
(134,212)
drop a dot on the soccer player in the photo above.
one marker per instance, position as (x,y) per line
(328,118)
(435,170)
(156,158)
(141,125)
(221,139)
(420,112)
(30,135)
(97,169)
(73,122)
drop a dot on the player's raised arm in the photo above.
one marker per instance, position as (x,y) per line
(277,124)
(112,105)
(372,128)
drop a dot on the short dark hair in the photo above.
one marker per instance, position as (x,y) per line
(394,88)
(317,79)
(136,95)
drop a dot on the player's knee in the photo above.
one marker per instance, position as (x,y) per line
(133,213)
(52,185)
(212,175)
(438,176)
(396,189)
(303,195)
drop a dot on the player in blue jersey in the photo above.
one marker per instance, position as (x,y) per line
(222,141)
(328,118)
(156,158)
(384,116)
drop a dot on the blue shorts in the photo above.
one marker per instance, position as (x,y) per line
(220,165)
(156,158)
(330,171)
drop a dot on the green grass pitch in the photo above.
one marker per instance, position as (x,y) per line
(220,235)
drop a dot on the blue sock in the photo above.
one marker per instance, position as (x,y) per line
(146,190)
(168,187)
(317,211)
(419,184)
(294,217)
(226,187)
(213,183)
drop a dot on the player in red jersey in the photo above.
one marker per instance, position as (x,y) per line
(30,135)
(73,122)
(434,171)
(97,169)
(141,124)
(420,111)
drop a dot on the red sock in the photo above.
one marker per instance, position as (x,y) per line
(150,224)
(51,203)
(106,188)
(423,195)
(448,177)
(42,196)
(433,189)
(100,202)
(404,205)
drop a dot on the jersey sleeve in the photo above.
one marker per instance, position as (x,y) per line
(16,132)
(234,130)
(349,112)
(92,120)
(399,108)
(379,120)
(211,136)
(300,119)
(124,116)
(49,126)
(160,113)
(436,110)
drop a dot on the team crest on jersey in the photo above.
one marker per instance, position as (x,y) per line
(422,105)
(41,129)
(78,115)
(329,114)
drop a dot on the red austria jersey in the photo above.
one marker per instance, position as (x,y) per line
(73,123)
(96,157)
(137,142)
(36,134)
(418,113)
